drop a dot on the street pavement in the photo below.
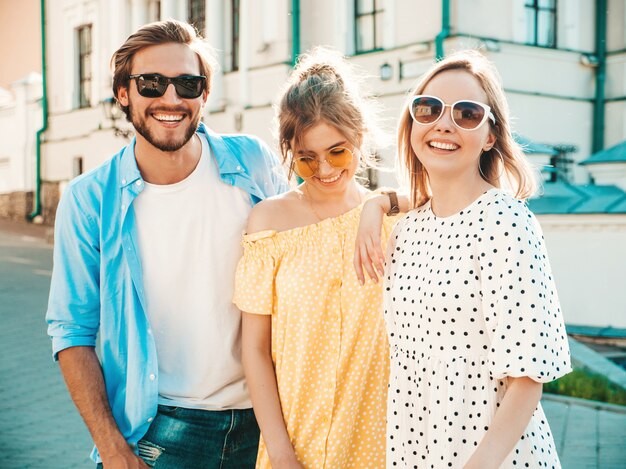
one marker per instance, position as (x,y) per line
(40,428)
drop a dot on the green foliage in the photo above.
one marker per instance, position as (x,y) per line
(587,385)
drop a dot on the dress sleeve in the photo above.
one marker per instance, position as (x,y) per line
(519,298)
(256,273)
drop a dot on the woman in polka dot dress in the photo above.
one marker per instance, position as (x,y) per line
(471,308)
(315,348)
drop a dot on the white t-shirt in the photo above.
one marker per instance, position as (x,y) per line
(190,242)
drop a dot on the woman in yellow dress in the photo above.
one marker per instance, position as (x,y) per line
(315,351)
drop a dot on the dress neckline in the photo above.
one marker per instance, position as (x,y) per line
(465,209)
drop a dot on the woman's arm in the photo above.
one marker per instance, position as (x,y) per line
(261,378)
(508,425)
(368,251)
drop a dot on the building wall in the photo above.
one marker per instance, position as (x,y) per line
(20,40)
(20,107)
(550,92)
(616,39)
(615,117)
(20,119)
(587,254)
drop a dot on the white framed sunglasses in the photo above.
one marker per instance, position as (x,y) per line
(466,114)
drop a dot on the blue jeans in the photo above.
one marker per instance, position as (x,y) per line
(180,438)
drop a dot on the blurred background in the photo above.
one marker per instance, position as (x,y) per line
(563,65)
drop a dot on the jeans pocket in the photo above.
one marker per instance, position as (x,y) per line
(149,452)
(168,409)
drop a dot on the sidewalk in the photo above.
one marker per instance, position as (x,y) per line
(28,230)
(39,426)
(42,429)
(587,435)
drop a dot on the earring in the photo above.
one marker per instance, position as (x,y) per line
(480,170)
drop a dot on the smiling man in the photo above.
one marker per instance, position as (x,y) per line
(146,248)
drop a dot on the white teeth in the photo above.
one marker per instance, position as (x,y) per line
(168,117)
(444,146)
(331,179)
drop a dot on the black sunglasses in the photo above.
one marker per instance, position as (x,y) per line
(153,85)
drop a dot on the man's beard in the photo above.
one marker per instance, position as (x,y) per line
(140,125)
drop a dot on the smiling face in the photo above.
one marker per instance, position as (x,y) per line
(316,143)
(167,122)
(444,149)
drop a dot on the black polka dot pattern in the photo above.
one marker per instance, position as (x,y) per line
(469,301)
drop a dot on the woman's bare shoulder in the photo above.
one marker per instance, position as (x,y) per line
(269,214)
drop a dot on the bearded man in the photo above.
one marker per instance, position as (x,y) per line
(146,248)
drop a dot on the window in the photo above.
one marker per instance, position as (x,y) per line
(154,10)
(372,177)
(541,22)
(77,166)
(562,164)
(234,35)
(84,66)
(197,15)
(368,25)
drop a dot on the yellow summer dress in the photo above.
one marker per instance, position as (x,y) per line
(329,344)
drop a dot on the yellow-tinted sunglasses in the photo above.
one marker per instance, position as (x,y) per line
(307,166)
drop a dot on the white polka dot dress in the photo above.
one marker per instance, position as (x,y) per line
(469,300)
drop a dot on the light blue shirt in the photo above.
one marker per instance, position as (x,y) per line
(97,278)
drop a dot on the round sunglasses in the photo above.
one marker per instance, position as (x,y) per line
(307,166)
(466,114)
(154,85)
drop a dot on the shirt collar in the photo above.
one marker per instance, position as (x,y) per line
(226,159)
(129,172)
(227,162)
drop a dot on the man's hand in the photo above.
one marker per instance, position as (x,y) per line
(123,460)
(83,376)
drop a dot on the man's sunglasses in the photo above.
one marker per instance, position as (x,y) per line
(153,85)
(307,166)
(466,114)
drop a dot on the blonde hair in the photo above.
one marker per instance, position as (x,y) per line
(516,168)
(324,88)
(152,34)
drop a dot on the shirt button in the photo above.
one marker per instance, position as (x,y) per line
(150,419)
(152,377)
(138,183)
(123,181)
(123,206)
(238,168)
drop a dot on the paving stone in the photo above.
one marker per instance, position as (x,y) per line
(40,426)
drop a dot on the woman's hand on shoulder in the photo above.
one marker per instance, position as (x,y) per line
(368,252)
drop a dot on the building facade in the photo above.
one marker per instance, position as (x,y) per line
(547,52)
(20,105)
(563,65)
